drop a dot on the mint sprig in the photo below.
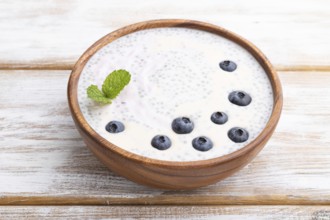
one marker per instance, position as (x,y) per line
(113,84)
(94,93)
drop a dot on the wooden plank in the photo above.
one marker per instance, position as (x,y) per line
(166,212)
(44,161)
(53,34)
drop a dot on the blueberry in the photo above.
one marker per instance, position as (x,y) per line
(219,118)
(115,127)
(202,143)
(161,142)
(182,125)
(240,98)
(238,135)
(228,65)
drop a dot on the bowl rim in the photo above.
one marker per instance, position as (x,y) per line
(161,23)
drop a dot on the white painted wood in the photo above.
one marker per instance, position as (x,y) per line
(44,161)
(53,34)
(167,212)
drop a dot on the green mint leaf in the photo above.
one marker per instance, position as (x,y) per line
(115,83)
(94,93)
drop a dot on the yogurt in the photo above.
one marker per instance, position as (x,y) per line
(175,73)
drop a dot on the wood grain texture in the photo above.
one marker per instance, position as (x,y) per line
(53,34)
(167,212)
(44,161)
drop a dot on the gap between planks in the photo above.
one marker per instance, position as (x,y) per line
(161,200)
(283,68)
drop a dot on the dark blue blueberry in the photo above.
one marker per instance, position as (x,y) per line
(202,143)
(219,118)
(228,65)
(238,135)
(182,125)
(240,98)
(115,127)
(161,142)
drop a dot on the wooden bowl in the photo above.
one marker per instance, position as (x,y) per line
(166,174)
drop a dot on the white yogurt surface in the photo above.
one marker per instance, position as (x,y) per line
(175,72)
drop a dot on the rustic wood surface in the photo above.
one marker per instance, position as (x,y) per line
(168,212)
(43,160)
(53,34)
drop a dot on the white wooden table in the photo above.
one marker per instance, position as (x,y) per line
(46,170)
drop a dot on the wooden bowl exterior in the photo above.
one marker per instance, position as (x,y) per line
(166,174)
